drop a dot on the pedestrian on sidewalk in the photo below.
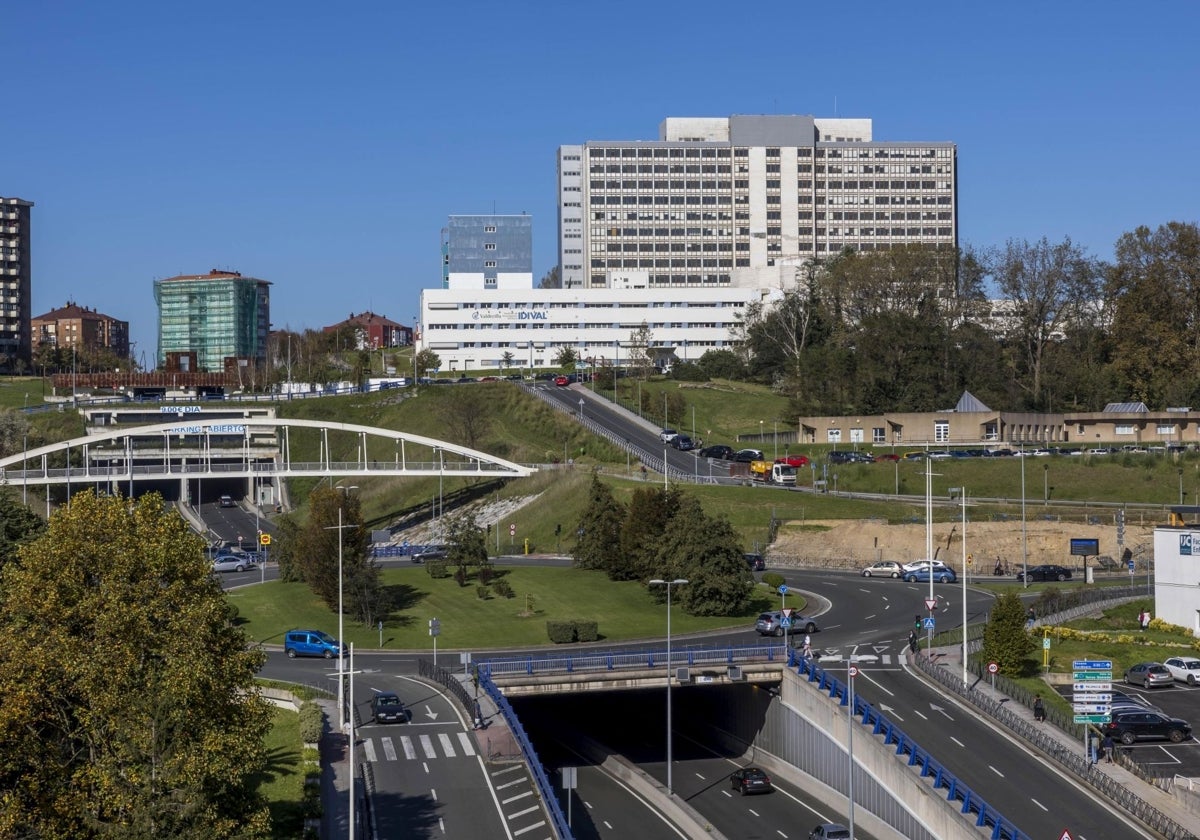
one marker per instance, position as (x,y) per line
(1108,746)
(912,641)
(806,650)
(1144,619)
(1039,709)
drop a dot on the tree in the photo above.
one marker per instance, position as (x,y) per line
(707,553)
(283,548)
(466,543)
(427,361)
(552,279)
(465,414)
(317,550)
(18,525)
(14,426)
(599,530)
(641,357)
(1052,288)
(506,359)
(1005,640)
(129,703)
(646,521)
(566,357)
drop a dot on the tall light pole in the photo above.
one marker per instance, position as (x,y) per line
(1045,484)
(965,558)
(929,541)
(1181,485)
(341,611)
(669,584)
(1024,532)
(775,437)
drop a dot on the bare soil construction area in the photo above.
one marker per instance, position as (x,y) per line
(860,542)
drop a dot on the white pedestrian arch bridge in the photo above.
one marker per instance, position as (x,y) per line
(260,448)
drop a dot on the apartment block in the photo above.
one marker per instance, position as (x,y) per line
(73,325)
(15,283)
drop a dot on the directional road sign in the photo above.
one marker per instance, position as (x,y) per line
(1091,698)
(1092,665)
(927,623)
(1093,676)
(1092,718)
(1088,687)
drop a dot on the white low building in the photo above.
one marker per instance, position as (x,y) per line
(1177,572)
(472,329)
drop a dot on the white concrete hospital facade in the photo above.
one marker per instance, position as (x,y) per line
(681,233)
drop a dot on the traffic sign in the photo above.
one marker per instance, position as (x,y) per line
(1093,676)
(931,604)
(1046,643)
(1066,835)
(1092,687)
(1092,665)
(787,611)
(1091,709)
(264,539)
(927,623)
(512,530)
(852,670)
(1092,718)
(785,622)
(783,590)
(435,627)
(993,667)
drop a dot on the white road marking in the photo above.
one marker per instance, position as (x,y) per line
(752,811)
(464,741)
(513,769)
(537,824)
(427,746)
(425,765)
(698,776)
(515,798)
(369,749)
(607,824)
(519,781)
(960,743)
(997,772)
(872,615)
(522,813)
(918,714)
(389,749)
(1039,804)
(407,744)
(447,746)
(433,793)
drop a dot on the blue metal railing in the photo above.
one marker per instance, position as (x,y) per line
(584,661)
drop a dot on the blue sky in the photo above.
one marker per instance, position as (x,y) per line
(321,146)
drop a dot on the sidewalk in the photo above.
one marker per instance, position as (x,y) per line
(950,659)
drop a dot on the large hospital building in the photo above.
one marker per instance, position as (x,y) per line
(681,233)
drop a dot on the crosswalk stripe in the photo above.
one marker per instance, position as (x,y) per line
(427,746)
(389,749)
(369,749)
(447,746)
(464,740)
(407,744)
(521,831)
(515,768)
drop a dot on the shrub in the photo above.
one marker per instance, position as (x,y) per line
(460,575)
(586,631)
(486,573)
(773,579)
(560,632)
(437,568)
(503,588)
(312,722)
(482,592)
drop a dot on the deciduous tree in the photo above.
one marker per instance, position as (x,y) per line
(129,707)
(317,552)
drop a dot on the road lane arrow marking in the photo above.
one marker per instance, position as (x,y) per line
(940,710)
(430,713)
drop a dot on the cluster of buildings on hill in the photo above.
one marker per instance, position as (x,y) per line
(678,234)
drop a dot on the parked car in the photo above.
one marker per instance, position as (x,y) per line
(430,552)
(771,624)
(227,501)
(884,568)
(1184,668)
(1045,572)
(923,564)
(312,643)
(940,575)
(683,443)
(887,456)
(387,707)
(847,456)
(561,380)
(793,460)
(1128,727)
(750,780)
(914,456)
(666,435)
(720,452)
(755,562)
(233,563)
(829,831)
(1149,675)
(745,456)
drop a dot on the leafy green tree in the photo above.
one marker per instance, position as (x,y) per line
(14,426)
(706,552)
(426,361)
(506,359)
(316,549)
(640,356)
(1005,640)
(566,357)
(466,542)
(599,531)
(129,705)
(646,521)
(466,414)
(721,364)
(18,525)
(283,548)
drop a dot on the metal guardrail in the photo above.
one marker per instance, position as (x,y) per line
(622,659)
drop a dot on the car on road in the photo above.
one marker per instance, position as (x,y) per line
(940,575)
(829,831)
(667,435)
(1149,675)
(227,501)
(387,707)
(745,456)
(561,380)
(1045,572)
(720,452)
(884,568)
(683,443)
(1128,727)
(771,624)
(750,780)
(311,643)
(1184,668)
(233,563)
(755,562)
(923,564)
(430,552)
(793,460)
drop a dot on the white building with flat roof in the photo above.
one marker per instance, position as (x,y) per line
(472,330)
(740,201)
(1177,572)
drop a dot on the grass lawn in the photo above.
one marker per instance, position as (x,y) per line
(624,610)
(283,782)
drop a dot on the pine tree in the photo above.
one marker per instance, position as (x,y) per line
(1005,640)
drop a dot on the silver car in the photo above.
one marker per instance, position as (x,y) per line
(233,563)
(1149,674)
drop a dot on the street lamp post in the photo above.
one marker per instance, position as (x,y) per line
(1181,485)
(1045,484)
(669,584)
(341,613)
(775,437)
(1024,532)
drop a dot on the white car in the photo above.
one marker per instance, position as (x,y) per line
(884,568)
(233,563)
(923,564)
(666,435)
(1184,668)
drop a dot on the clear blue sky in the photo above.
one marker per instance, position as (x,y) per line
(321,146)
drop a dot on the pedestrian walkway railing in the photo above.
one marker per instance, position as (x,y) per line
(985,816)
(615,660)
(1069,757)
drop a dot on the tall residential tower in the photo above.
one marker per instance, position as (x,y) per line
(15,282)
(218,316)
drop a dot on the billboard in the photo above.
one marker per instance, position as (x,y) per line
(1085,547)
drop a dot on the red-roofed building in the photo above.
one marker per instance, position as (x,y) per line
(368,331)
(77,326)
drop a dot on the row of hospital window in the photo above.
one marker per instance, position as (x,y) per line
(744,216)
(941,433)
(774,168)
(691,325)
(771,152)
(589,349)
(771,184)
(771,198)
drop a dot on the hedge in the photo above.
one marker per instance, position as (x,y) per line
(312,722)
(565,632)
